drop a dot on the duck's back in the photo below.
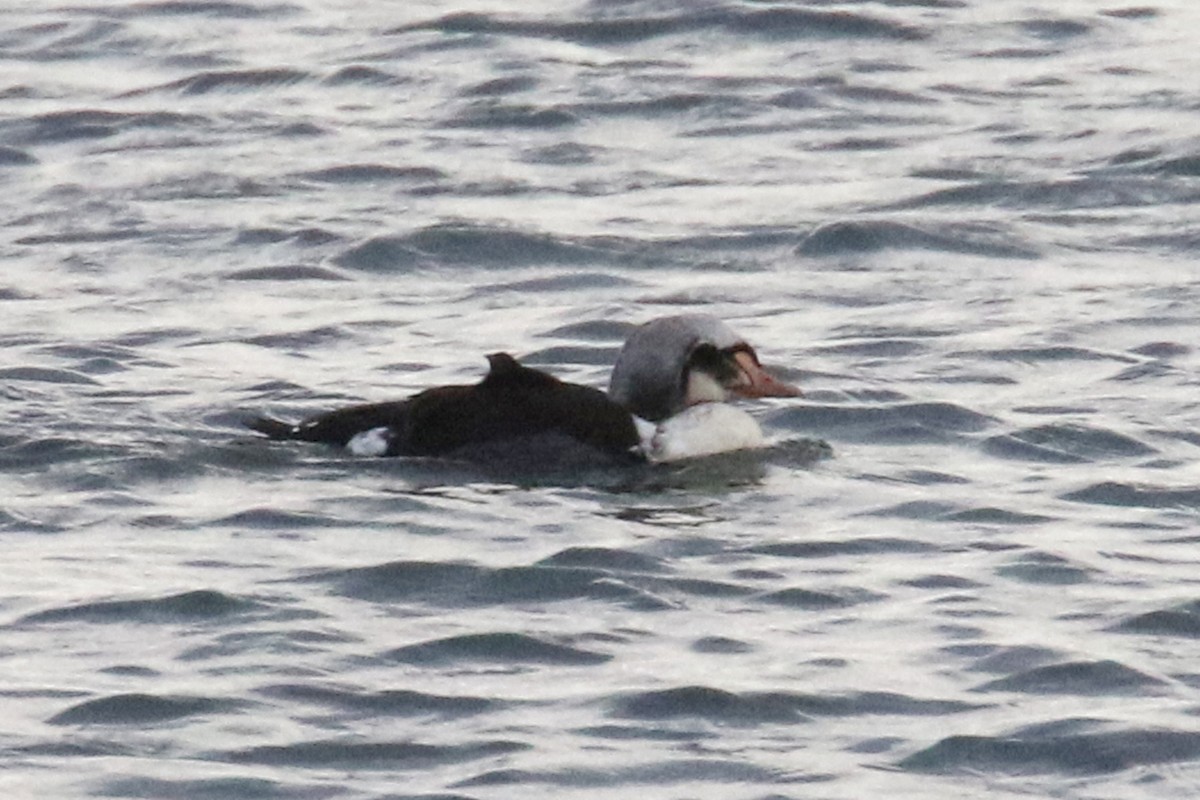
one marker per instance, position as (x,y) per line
(514,408)
(514,402)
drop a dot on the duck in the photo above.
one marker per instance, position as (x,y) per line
(668,399)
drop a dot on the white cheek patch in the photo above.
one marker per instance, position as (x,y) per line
(700,430)
(703,388)
(370,443)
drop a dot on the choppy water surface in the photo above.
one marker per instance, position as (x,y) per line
(968,229)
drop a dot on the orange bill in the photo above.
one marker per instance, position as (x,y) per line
(757,382)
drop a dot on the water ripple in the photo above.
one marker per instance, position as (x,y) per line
(757,708)
(1120,493)
(337,754)
(850,237)
(1066,443)
(231,81)
(1180,621)
(664,773)
(904,422)
(397,702)
(1091,678)
(139,709)
(772,23)
(204,788)
(1082,754)
(968,236)
(504,648)
(185,607)
(473,245)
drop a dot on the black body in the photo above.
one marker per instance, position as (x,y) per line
(512,402)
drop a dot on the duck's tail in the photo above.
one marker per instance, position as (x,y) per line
(273,428)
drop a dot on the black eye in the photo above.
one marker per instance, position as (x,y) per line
(716,362)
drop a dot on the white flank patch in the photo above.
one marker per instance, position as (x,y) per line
(646,430)
(699,430)
(370,443)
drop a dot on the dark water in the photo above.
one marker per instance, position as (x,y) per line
(968,229)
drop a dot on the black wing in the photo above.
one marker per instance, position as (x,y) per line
(511,402)
(337,427)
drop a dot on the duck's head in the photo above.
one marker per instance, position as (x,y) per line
(671,363)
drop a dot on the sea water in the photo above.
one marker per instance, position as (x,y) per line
(966,566)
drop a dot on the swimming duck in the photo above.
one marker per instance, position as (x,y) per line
(666,401)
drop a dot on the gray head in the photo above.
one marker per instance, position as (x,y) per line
(671,363)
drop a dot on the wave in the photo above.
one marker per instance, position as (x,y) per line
(192,606)
(341,754)
(14,157)
(1090,678)
(392,702)
(374,173)
(470,245)
(155,788)
(1182,621)
(758,708)
(503,648)
(287,272)
(661,772)
(770,23)
(96,123)
(1040,567)
(1136,495)
(219,9)
(850,237)
(896,423)
(140,709)
(1066,754)
(236,80)
(1066,443)
(1071,193)
(465,585)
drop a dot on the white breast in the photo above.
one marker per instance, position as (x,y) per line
(699,430)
